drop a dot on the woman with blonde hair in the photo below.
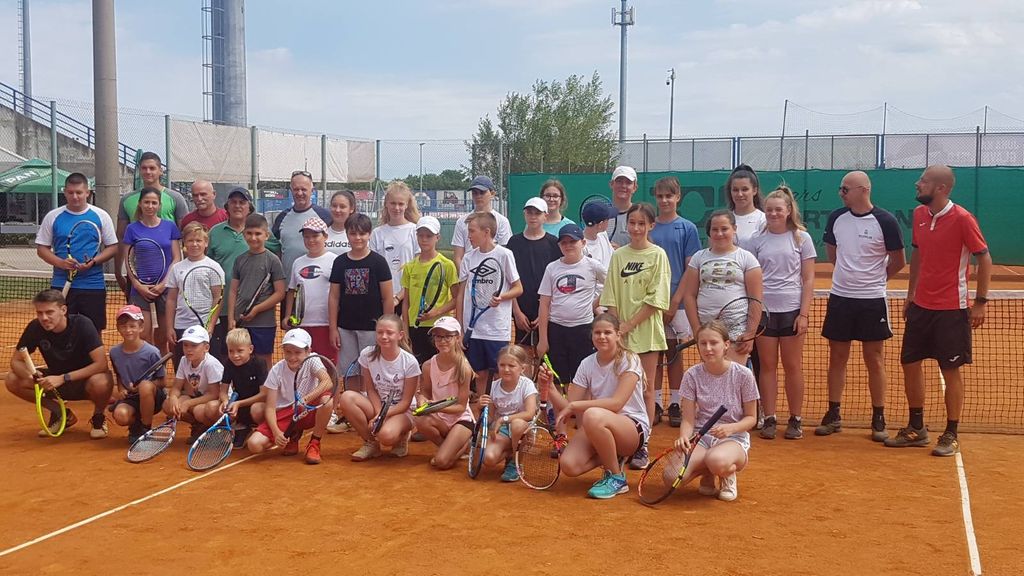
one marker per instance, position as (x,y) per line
(395,238)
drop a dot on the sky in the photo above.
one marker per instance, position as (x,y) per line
(422,71)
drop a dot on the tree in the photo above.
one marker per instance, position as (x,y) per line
(446,180)
(560,127)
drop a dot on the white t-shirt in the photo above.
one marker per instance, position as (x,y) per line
(183,317)
(389,376)
(337,242)
(731,390)
(781,263)
(508,403)
(199,378)
(282,379)
(397,244)
(460,237)
(722,278)
(602,381)
(573,289)
(600,249)
(496,323)
(748,225)
(863,243)
(315,276)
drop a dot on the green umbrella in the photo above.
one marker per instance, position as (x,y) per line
(31,177)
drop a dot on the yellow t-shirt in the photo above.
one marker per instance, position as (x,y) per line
(414,274)
(635,278)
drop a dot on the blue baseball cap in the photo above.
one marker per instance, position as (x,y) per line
(481,183)
(571,230)
(597,212)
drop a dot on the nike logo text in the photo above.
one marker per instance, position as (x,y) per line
(631,268)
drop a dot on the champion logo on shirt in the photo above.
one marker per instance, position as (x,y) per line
(567,284)
(631,268)
(310,272)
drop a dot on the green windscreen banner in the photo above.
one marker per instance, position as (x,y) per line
(994,195)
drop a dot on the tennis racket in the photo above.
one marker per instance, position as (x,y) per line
(214,445)
(478,443)
(255,296)
(486,283)
(433,285)
(316,383)
(385,404)
(298,306)
(663,475)
(592,199)
(669,357)
(131,387)
(536,457)
(147,263)
(202,290)
(59,413)
(745,317)
(545,405)
(435,406)
(83,244)
(153,443)
(353,377)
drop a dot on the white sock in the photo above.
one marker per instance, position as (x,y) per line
(673,396)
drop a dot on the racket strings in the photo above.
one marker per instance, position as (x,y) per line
(147,261)
(211,448)
(314,381)
(537,458)
(659,478)
(151,444)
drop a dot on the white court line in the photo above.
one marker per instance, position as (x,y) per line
(965,505)
(101,515)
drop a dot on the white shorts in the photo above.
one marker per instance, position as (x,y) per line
(743,439)
(679,326)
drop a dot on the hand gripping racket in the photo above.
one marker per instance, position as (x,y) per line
(435,406)
(83,244)
(316,383)
(255,297)
(433,285)
(48,400)
(385,404)
(298,306)
(214,445)
(745,317)
(663,475)
(486,283)
(131,387)
(147,263)
(202,291)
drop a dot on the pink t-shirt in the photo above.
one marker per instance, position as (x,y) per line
(730,389)
(442,386)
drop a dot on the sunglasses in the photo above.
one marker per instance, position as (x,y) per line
(846,189)
(302,173)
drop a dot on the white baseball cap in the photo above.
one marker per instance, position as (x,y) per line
(537,203)
(624,171)
(447,323)
(430,223)
(196,335)
(297,337)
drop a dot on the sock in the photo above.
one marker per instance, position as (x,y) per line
(833,410)
(878,417)
(951,426)
(673,396)
(917,418)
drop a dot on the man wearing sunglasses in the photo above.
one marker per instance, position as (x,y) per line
(288,224)
(865,245)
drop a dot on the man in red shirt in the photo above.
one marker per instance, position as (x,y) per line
(207,212)
(939,323)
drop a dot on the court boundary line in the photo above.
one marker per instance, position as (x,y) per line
(965,506)
(121,507)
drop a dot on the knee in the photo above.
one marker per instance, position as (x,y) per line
(257,443)
(147,388)
(12,382)
(124,416)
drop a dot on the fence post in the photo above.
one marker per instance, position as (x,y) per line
(977,164)
(832,152)
(376,175)
(167,148)
(644,164)
(502,201)
(927,144)
(254,159)
(53,161)
(323,168)
(807,144)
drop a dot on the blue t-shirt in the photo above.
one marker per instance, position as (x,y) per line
(679,240)
(129,367)
(553,229)
(164,234)
(54,231)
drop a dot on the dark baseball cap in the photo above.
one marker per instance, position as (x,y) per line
(572,231)
(597,212)
(240,191)
(482,183)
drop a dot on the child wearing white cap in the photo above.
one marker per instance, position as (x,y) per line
(420,310)
(195,396)
(623,185)
(533,250)
(447,374)
(312,273)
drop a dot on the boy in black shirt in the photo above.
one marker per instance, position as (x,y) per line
(533,250)
(246,373)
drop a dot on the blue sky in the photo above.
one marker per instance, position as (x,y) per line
(423,70)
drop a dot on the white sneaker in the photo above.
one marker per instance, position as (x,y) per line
(729,490)
(707,485)
(367,451)
(401,450)
(337,425)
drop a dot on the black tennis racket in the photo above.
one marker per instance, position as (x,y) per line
(745,317)
(382,415)
(664,474)
(254,299)
(486,283)
(433,285)
(213,445)
(202,291)
(83,244)
(298,306)
(147,263)
(316,383)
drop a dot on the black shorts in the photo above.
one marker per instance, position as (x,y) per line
(74,390)
(89,303)
(245,416)
(568,347)
(780,325)
(639,432)
(422,344)
(944,335)
(863,319)
(133,401)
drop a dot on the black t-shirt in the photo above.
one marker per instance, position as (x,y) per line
(532,257)
(246,378)
(359,304)
(65,351)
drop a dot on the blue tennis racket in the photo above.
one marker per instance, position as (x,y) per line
(214,445)
(478,443)
(487,282)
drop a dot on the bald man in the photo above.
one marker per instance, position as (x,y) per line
(207,212)
(865,245)
(939,323)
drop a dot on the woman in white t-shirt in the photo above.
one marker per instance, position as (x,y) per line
(745,202)
(717,381)
(718,275)
(395,238)
(394,375)
(613,422)
(786,254)
(514,400)
(343,205)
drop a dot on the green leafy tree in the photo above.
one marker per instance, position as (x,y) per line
(446,180)
(559,127)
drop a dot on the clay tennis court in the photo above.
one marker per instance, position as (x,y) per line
(836,505)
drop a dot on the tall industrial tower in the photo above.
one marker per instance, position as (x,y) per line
(224,62)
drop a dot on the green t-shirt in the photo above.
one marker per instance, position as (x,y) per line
(414,274)
(635,278)
(173,206)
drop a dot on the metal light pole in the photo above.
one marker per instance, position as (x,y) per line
(421,166)
(622,18)
(671,81)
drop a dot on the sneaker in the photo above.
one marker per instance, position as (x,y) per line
(794,429)
(768,428)
(729,490)
(292,447)
(609,487)
(675,415)
(561,441)
(367,451)
(135,431)
(760,417)
(658,412)
(401,450)
(241,435)
(338,425)
(639,460)
(511,474)
(947,445)
(829,426)
(313,452)
(879,435)
(99,426)
(54,425)
(908,437)
(707,485)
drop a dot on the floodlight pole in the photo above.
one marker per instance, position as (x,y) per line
(622,18)
(671,81)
